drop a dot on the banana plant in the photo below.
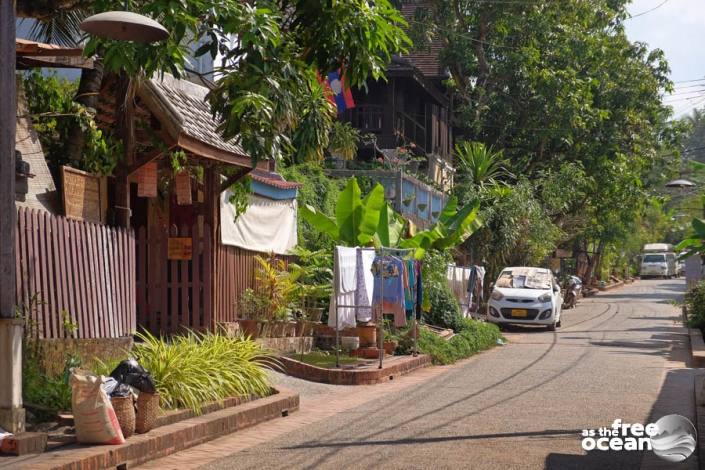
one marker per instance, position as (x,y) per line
(370,221)
(453,228)
(695,244)
(357,219)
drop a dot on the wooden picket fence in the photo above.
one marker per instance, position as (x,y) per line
(236,271)
(174,294)
(75,279)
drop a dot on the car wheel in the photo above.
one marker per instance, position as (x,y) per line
(552,327)
(558,323)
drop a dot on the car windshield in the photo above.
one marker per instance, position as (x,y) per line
(654,258)
(525,278)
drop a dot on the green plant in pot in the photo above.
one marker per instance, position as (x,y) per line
(251,308)
(343,141)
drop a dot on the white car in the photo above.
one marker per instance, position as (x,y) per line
(526,296)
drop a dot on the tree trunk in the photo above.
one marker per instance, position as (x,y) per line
(595,262)
(87,95)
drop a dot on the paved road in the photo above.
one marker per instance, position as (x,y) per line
(618,355)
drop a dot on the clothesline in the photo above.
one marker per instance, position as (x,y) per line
(467,284)
(369,283)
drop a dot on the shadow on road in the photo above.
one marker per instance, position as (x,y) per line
(431,440)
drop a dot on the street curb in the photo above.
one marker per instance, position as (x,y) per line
(700,416)
(697,347)
(168,439)
(354,377)
(611,286)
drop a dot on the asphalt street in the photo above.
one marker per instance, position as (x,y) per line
(620,354)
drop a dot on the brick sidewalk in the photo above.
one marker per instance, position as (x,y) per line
(311,410)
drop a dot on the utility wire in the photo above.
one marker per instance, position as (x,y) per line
(649,11)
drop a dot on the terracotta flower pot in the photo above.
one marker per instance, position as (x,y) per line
(314,314)
(290,329)
(367,335)
(390,347)
(250,328)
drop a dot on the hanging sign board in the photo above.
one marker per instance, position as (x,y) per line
(183,188)
(180,248)
(85,195)
(147,180)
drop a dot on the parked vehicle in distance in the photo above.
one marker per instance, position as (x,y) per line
(526,296)
(658,260)
(573,291)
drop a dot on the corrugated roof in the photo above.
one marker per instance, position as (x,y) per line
(273,179)
(187,102)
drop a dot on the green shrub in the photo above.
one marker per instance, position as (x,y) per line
(695,304)
(473,336)
(196,368)
(444,308)
(43,393)
(319,191)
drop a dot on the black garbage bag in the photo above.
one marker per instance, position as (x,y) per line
(122,390)
(131,373)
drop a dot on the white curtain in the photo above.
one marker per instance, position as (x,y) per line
(267,225)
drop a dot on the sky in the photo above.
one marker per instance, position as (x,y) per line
(678,28)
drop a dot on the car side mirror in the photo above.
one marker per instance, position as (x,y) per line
(556,288)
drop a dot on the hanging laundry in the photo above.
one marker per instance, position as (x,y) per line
(345,290)
(365,284)
(388,295)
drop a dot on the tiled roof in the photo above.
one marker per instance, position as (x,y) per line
(427,60)
(189,107)
(273,179)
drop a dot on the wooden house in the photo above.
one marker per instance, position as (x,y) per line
(410,112)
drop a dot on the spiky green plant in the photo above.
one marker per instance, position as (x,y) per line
(195,368)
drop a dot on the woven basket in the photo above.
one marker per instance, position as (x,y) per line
(125,412)
(147,411)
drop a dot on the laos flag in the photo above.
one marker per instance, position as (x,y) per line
(340,92)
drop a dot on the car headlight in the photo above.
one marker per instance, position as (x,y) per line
(497,295)
(545,298)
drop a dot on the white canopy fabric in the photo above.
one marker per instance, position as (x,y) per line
(267,225)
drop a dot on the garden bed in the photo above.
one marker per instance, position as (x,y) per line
(367,374)
(167,439)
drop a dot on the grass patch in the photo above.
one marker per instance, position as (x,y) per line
(474,336)
(324,359)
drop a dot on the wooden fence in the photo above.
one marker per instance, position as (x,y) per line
(174,294)
(75,279)
(235,273)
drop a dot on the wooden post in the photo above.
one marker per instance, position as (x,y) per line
(124,111)
(211,200)
(11,329)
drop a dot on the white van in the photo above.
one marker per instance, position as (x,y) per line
(658,260)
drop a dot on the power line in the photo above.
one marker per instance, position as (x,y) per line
(690,81)
(648,11)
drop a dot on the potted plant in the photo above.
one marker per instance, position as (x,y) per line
(343,142)
(250,311)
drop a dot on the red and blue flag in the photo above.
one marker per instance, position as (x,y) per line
(340,93)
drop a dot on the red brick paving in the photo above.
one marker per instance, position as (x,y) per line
(311,410)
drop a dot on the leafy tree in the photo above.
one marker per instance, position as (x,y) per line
(556,83)
(56,127)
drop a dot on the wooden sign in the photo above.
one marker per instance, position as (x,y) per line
(183,188)
(180,248)
(147,180)
(85,195)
